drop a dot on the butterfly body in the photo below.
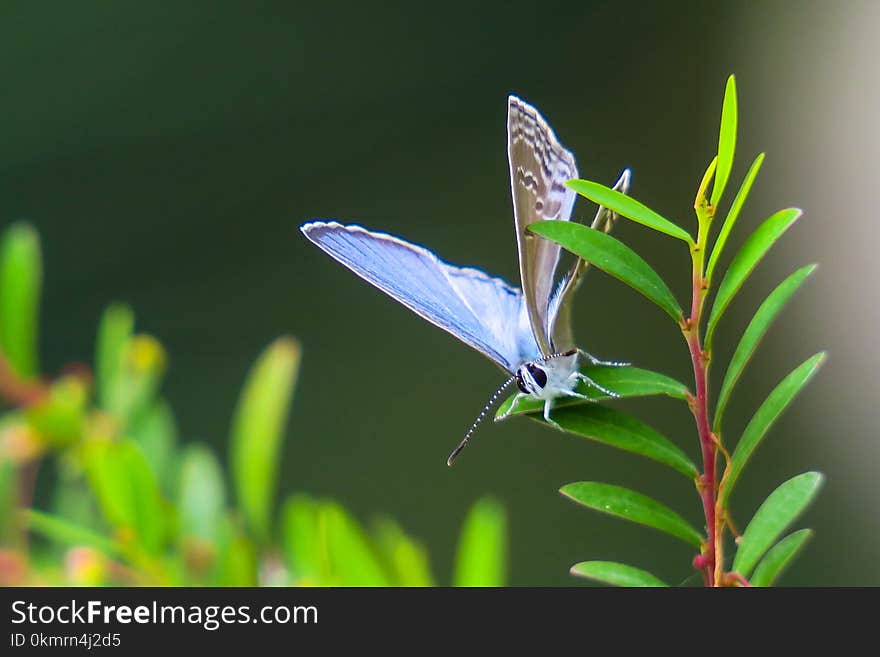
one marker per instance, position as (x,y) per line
(525,330)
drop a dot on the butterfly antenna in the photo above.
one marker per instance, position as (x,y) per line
(560,354)
(480,417)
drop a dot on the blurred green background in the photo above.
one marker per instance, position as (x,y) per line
(167,153)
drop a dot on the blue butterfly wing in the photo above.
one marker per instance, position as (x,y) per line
(481,311)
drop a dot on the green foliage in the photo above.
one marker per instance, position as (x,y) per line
(779,557)
(613,257)
(134,506)
(746,260)
(21,273)
(257,431)
(625,432)
(773,517)
(628,207)
(616,574)
(726,141)
(481,559)
(764,417)
(733,215)
(753,334)
(588,419)
(633,506)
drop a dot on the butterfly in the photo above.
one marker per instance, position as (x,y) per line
(527,331)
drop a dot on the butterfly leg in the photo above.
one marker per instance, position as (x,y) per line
(513,404)
(548,405)
(605,363)
(583,377)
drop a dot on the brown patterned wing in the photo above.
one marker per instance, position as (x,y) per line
(539,169)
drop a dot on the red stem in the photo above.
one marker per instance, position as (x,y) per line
(710,559)
(706,483)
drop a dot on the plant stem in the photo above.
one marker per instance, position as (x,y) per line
(707,482)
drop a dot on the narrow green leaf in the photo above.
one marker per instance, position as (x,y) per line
(304,541)
(21,274)
(628,207)
(733,214)
(9,498)
(625,432)
(777,512)
(257,431)
(238,557)
(625,381)
(613,257)
(753,334)
(407,560)
(64,532)
(481,558)
(137,381)
(353,559)
(745,261)
(776,402)
(114,333)
(701,200)
(726,140)
(128,492)
(156,434)
(616,574)
(633,506)
(779,557)
(202,495)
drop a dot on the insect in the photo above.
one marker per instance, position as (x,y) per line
(526,331)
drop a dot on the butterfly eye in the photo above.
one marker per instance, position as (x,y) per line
(539,375)
(531,379)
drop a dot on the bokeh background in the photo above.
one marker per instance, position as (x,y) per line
(167,153)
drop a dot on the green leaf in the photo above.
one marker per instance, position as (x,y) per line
(407,561)
(21,274)
(779,557)
(726,140)
(777,512)
(66,533)
(258,429)
(352,558)
(745,261)
(114,333)
(628,207)
(625,381)
(763,419)
(733,214)
(753,334)
(60,416)
(238,557)
(9,498)
(613,257)
(625,432)
(633,506)
(700,201)
(304,541)
(616,574)
(156,434)
(202,496)
(128,493)
(481,558)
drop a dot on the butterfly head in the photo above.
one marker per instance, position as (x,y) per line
(531,378)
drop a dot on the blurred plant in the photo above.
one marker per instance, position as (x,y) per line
(131,505)
(614,428)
